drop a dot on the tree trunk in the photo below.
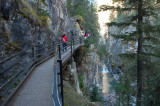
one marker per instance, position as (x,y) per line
(139,52)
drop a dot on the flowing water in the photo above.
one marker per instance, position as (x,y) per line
(108,95)
(105,81)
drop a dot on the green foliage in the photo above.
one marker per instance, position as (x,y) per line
(6,34)
(72,98)
(145,32)
(44,21)
(90,41)
(28,12)
(15,44)
(102,50)
(83,88)
(43,1)
(80,11)
(70,9)
(124,90)
(79,16)
(37,14)
(81,82)
(95,95)
(87,12)
(42,12)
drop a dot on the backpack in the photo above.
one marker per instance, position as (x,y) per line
(63,40)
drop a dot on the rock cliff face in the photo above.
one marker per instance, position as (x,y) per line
(88,66)
(21,24)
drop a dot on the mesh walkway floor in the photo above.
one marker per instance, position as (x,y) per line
(37,89)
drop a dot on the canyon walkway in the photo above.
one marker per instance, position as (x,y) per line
(41,87)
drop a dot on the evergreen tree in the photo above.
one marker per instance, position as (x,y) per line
(95,95)
(88,11)
(142,15)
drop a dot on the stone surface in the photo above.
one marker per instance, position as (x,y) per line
(27,31)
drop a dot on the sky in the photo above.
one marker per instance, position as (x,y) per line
(101,2)
(103,15)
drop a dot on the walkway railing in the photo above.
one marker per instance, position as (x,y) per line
(71,46)
(15,69)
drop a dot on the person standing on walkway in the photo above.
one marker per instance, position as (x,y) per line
(85,35)
(64,40)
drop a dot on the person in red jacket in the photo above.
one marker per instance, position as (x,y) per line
(86,35)
(64,40)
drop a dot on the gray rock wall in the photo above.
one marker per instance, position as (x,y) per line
(27,30)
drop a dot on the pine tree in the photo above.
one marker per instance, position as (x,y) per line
(88,11)
(95,95)
(146,36)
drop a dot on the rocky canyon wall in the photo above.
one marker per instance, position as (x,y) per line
(27,22)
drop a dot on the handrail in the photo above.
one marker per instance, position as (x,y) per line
(70,46)
(11,73)
(2,61)
(14,69)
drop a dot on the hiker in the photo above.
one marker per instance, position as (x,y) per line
(85,35)
(64,41)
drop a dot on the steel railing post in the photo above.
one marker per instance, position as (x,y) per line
(32,51)
(61,76)
(71,50)
(61,73)
(73,42)
(73,45)
(80,41)
(59,49)
(53,46)
(33,54)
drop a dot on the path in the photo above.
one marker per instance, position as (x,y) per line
(37,88)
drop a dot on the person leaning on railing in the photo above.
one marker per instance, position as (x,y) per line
(85,35)
(64,40)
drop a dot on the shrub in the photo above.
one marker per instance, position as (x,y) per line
(15,44)
(84,89)
(95,95)
(38,15)
(81,83)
